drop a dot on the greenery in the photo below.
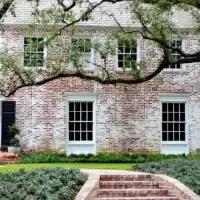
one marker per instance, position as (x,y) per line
(89,158)
(41,184)
(186,171)
(14,130)
(113,166)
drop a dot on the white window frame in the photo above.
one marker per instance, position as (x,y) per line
(182,67)
(137,53)
(91,65)
(44,53)
(82,97)
(175,98)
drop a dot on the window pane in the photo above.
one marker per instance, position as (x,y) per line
(83,136)
(176,107)
(77,116)
(77,126)
(164,116)
(83,126)
(164,107)
(176,136)
(71,136)
(83,106)
(176,127)
(71,126)
(170,107)
(170,118)
(90,114)
(71,106)
(90,107)
(170,126)
(77,106)
(164,136)
(71,116)
(182,107)
(90,137)
(182,126)
(120,64)
(176,117)
(89,126)
(170,136)
(77,136)
(120,57)
(182,136)
(164,126)
(83,116)
(182,117)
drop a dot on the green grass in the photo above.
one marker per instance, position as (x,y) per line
(114,166)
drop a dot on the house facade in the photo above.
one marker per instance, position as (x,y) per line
(77,116)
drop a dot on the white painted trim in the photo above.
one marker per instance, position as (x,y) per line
(81,97)
(179,98)
(44,51)
(91,67)
(138,55)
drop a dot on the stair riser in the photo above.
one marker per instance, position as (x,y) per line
(138,198)
(115,193)
(125,178)
(122,185)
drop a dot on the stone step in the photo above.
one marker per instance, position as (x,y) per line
(132,192)
(137,198)
(125,178)
(128,184)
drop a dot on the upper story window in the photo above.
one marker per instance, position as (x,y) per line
(127,53)
(175,54)
(34,52)
(84,46)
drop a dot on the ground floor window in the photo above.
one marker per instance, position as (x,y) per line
(81,121)
(173,122)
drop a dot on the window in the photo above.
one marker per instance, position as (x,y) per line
(173,122)
(127,53)
(81,121)
(84,46)
(33,52)
(175,54)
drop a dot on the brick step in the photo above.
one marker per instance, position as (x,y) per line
(132,192)
(128,184)
(4,161)
(125,178)
(137,198)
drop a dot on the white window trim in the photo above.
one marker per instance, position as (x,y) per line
(91,68)
(138,55)
(45,53)
(175,98)
(82,97)
(2,98)
(183,66)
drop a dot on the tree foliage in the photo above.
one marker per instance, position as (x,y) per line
(156,28)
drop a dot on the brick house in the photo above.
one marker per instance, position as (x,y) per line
(77,116)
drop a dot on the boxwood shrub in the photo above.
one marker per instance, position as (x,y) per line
(185,170)
(41,184)
(89,158)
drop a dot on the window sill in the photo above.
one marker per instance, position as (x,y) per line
(174,142)
(81,143)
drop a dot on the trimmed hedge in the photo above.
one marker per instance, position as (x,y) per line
(41,184)
(89,158)
(186,171)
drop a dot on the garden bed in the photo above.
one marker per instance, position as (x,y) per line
(185,170)
(41,184)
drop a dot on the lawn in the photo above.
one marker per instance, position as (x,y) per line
(114,166)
